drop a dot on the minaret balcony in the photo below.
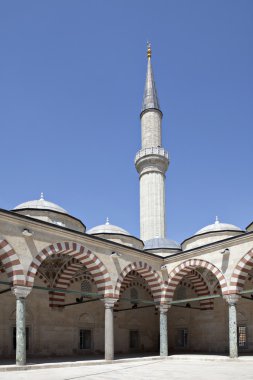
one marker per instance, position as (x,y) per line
(152,159)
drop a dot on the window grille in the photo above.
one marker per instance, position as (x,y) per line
(242,336)
(134,295)
(182,338)
(134,339)
(86,286)
(85,339)
(180,293)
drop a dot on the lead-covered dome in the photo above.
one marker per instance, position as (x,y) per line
(49,212)
(107,228)
(162,246)
(41,204)
(212,233)
(117,234)
(217,226)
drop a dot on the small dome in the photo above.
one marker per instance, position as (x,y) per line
(41,204)
(161,243)
(217,226)
(107,228)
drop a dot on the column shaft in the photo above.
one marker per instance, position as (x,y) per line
(20,332)
(233,349)
(163,334)
(109,333)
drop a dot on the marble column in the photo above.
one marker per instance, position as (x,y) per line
(21,292)
(109,328)
(233,345)
(163,330)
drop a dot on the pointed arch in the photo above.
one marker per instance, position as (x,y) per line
(132,280)
(148,273)
(11,263)
(201,289)
(239,275)
(64,279)
(87,258)
(185,268)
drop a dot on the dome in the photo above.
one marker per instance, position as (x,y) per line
(107,228)
(217,226)
(161,243)
(41,204)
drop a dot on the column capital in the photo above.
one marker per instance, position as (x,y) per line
(232,299)
(21,291)
(163,308)
(109,302)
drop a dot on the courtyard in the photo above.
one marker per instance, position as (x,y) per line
(190,367)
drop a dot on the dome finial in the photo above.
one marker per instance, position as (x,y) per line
(107,221)
(217,220)
(149,51)
(41,196)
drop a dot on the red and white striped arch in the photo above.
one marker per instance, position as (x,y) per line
(11,263)
(63,281)
(200,287)
(87,258)
(184,269)
(148,273)
(240,272)
(132,280)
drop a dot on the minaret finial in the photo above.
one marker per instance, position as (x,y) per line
(150,98)
(41,196)
(149,51)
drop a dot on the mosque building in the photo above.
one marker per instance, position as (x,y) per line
(66,291)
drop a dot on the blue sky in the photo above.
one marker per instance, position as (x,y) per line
(72,76)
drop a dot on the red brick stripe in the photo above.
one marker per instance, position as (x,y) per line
(11,264)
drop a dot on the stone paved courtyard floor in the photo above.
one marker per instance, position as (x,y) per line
(177,369)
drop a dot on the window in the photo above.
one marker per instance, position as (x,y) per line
(182,338)
(86,286)
(134,295)
(14,338)
(85,339)
(242,336)
(134,339)
(180,293)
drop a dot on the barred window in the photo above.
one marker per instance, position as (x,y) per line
(134,295)
(85,339)
(242,336)
(180,293)
(134,339)
(86,286)
(182,338)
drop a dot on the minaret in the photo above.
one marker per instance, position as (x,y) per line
(151,162)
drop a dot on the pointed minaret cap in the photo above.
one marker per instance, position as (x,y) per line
(150,98)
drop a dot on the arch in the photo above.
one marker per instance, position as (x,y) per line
(87,258)
(201,289)
(64,278)
(62,281)
(11,263)
(148,273)
(239,275)
(131,279)
(183,269)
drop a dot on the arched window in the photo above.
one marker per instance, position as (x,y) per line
(86,286)
(134,295)
(180,293)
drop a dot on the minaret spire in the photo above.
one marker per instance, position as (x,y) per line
(151,162)
(150,98)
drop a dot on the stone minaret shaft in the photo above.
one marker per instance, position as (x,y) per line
(151,162)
